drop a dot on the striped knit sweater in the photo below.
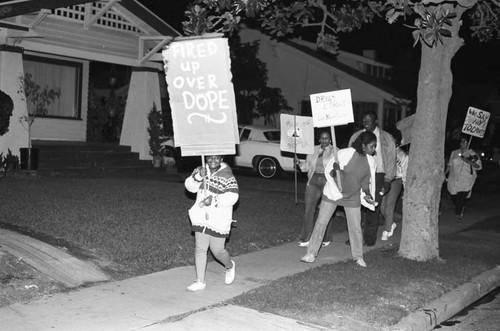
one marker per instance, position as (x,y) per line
(215,219)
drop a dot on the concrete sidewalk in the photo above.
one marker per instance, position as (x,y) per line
(159,301)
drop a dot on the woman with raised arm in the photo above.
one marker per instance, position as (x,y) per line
(357,168)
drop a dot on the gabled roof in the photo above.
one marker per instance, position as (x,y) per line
(330,61)
(20,7)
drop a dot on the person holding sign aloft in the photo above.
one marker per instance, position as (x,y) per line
(211,216)
(357,167)
(462,173)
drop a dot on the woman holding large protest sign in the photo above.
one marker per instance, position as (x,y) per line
(211,216)
(462,173)
(357,168)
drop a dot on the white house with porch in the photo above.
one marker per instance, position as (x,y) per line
(56,40)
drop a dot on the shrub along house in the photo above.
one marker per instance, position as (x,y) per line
(56,40)
(298,69)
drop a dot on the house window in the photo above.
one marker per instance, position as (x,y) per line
(56,74)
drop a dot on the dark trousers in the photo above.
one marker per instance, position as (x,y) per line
(459,201)
(370,228)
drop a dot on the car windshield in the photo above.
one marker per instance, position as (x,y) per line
(272,135)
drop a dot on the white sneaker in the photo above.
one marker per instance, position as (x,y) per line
(385,235)
(198,285)
(393,227)
(325,243)
(230,273)
(303,243)
(361,262)
(308,258)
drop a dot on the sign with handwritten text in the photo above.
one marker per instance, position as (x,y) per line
(476,122)
(201,96)
(297,134)
(332,108)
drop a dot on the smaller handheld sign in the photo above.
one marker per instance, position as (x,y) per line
(331,108)
(476,122)
(297,134)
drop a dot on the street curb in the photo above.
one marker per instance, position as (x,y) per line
(448,305)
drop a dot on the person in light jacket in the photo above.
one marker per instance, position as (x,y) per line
(211,216)
(315,166)
(357,176)
(462,173)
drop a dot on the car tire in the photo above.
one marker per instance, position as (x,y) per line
(267,167)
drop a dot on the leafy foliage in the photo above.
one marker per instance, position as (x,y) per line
(6,108)
(280,18)
(155,131)
(431,26)
(9,162)
(37,100)
(254,99)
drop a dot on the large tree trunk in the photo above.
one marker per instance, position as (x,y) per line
(425,174)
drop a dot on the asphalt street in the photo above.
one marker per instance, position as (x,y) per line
(484,315)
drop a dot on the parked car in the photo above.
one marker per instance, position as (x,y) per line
(259,149)
(169,149)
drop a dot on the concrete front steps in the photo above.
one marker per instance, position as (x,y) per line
(84,159)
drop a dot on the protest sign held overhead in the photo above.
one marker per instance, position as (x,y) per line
(332,108)
(476,122)
(201,95)
(297,134)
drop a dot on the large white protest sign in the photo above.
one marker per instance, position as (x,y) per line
(476,122)
(201,96)
(297,134)
(332,108)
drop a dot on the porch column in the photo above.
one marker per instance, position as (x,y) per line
(144,90)
(380,113)
(11,70)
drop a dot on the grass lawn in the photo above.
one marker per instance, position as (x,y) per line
(140,226)
(333,294)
